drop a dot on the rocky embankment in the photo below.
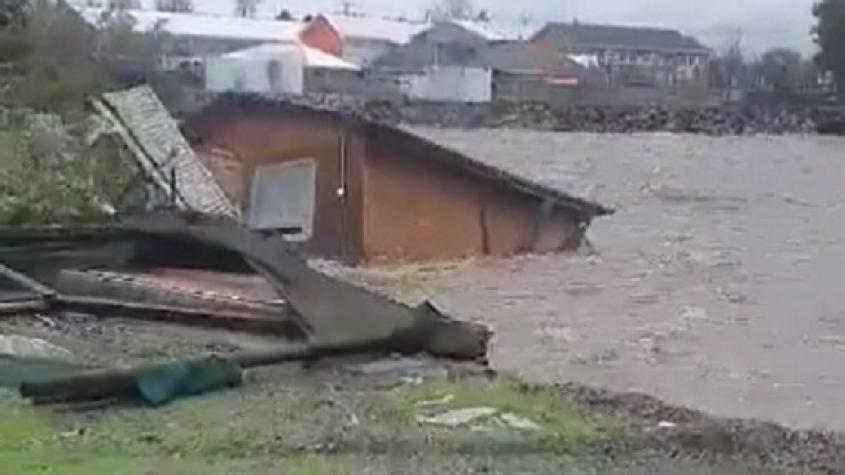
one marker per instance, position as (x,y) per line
(599,119)
(710,121)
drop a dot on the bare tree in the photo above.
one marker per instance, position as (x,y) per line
(246,8)
(179,6)
(443,10)
(285,15)
(124,5)
(12,12)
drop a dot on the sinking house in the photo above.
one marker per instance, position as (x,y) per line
(359,190)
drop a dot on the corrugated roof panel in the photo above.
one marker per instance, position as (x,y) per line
(197,25)
(165,151)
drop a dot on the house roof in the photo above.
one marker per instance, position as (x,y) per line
(374,28)
(587,35)
(442,43)
(490,161)
(521,56)
(208,26)
(311,57)
(474,159)
(481,29)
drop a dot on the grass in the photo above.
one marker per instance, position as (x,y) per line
(32,443)
(307,430)
(564,428)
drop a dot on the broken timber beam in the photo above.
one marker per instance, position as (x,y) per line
(280,325)
(122,384)
(334,313)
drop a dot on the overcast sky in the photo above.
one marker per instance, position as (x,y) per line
(763,23)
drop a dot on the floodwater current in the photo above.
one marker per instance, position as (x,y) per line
(718,284)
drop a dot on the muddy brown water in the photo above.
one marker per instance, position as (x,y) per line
(717,285)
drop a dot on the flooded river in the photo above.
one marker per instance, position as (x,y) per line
(716,285)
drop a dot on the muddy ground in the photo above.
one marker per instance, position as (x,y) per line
(374,417)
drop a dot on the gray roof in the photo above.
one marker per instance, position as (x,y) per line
(520,56)
(511,56)
(452,148)
(482,152)
(586,35)
(455,46)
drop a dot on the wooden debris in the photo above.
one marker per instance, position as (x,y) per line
(333,313)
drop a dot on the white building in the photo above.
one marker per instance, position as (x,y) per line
(190,37)
(450,84)
(273,68)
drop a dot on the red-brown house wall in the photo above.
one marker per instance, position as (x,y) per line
(417,209)
(259,139)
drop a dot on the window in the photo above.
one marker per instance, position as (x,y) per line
(283,197)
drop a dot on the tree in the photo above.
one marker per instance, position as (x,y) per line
(779,69)
(58,71)
(178,6)
(246,8)
(444,10)
(829,34)
(734,69)
(483,16)
(124,5)
(285,15)
(13,12)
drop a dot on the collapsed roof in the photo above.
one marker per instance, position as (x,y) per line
(160,150)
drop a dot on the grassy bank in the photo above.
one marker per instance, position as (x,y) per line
(300,431)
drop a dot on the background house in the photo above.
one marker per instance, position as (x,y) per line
(632,56)
(440,63)
(358,39)
(364,191)
(443,44)
(188,38)
(526,72)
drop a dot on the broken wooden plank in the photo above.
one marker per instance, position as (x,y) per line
(155,384)
(281,324)
(334,313)
(22,307)
(25,282)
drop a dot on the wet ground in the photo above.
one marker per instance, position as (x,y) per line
(717,284)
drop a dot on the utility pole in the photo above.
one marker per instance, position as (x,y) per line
(524,21)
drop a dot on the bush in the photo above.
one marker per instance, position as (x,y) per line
(49,176)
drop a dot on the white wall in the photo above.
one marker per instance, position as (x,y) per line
(282,74)
(450,84)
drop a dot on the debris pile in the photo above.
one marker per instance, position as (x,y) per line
(94,271)
(191,262)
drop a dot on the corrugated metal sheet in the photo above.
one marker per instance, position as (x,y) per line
(202,26)
(161,150)
(373,28)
